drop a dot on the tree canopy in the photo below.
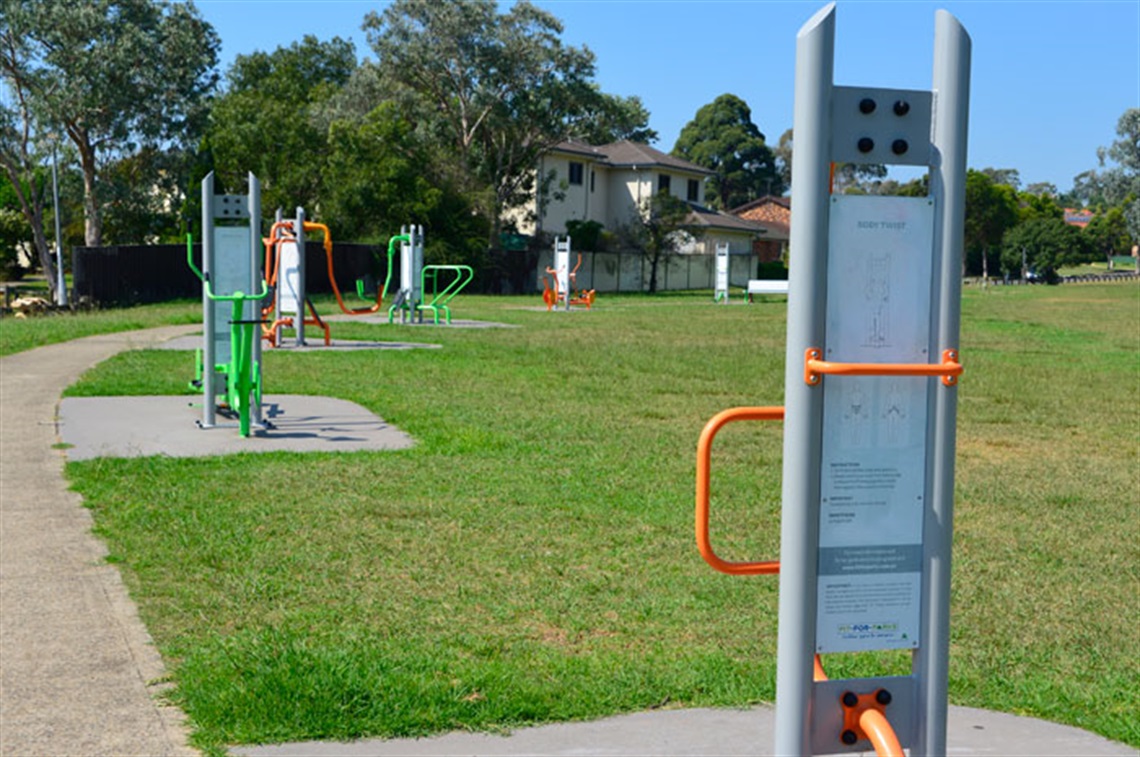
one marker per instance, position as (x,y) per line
(723,138)
(266,120)
(493,90)
(108,75)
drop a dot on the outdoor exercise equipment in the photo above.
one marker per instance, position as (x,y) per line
(420,285)
(721,293)
(560,291)
(229,362)
(869,434)
(285,273)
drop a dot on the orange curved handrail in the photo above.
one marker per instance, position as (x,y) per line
(878,729)
(328,245)
(704,458)
(814,367)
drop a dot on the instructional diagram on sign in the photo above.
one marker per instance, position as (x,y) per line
(873,462)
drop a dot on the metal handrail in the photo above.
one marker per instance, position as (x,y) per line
(815,367)
(704,460)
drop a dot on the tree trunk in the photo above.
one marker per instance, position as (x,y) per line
(32,206)
(92,217)
(653,260)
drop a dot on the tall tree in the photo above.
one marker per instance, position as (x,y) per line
(1010,177)
(661,224)
(991,210)
(267,119)
(1045,244)
(1107,234)
(496,89)
(109,75)
(722,138)
(784,158)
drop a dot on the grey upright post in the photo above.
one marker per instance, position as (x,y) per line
(948,183)
(256,276)
(299,325)
(209,359)
(807,296)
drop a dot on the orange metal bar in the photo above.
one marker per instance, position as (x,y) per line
(704,457)
(817,670)
(878,729)
(814,367)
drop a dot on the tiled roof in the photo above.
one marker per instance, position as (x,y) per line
(773,212)
(784,202)
(710,219)
(626,153)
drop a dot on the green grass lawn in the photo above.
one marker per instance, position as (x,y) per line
(531,558)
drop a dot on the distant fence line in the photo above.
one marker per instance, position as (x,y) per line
(1084,278)
(137,274)
(631,271)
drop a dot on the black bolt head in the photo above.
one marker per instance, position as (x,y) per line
(849,699)
(848,737)
(883,697)
(902,107)
(867,106)
(899,147)
(866,144)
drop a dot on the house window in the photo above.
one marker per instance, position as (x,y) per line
(593,176)
(662,183)
(576,173)
(694,190)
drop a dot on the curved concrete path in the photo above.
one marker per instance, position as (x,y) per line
(79,674)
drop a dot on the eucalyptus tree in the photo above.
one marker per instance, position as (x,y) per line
(270,119)
(106,75)
(491,90)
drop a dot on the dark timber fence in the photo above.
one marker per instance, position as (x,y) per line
(136,274)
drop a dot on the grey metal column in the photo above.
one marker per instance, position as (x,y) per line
(299,324)
(807,297)
(256,276)
(209,359)
(948,184)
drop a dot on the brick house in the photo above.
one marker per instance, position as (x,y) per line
(775,214)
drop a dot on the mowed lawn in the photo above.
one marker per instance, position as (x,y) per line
(532,559)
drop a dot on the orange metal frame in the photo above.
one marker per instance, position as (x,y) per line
(863,715)
(704,458)
(814,367)
(550,295)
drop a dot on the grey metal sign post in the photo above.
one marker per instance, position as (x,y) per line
(870,400)
(231,243)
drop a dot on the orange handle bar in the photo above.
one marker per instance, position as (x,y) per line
(949,369)
(878,729)
(704,457)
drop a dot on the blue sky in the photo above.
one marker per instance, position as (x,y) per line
(1049,79)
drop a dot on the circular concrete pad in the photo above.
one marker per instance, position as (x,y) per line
(168,425)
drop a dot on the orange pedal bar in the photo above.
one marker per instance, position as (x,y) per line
(704,458)
(814,367)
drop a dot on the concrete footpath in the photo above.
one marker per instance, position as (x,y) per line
(79,674)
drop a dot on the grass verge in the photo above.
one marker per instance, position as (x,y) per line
(531,558)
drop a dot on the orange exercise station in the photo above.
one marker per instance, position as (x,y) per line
(556,291)
(284,273)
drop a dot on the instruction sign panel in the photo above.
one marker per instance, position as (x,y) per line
(873,463)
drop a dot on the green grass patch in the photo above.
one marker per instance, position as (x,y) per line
(532,558)
(19,334)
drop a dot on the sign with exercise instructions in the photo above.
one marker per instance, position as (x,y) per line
(873,461)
